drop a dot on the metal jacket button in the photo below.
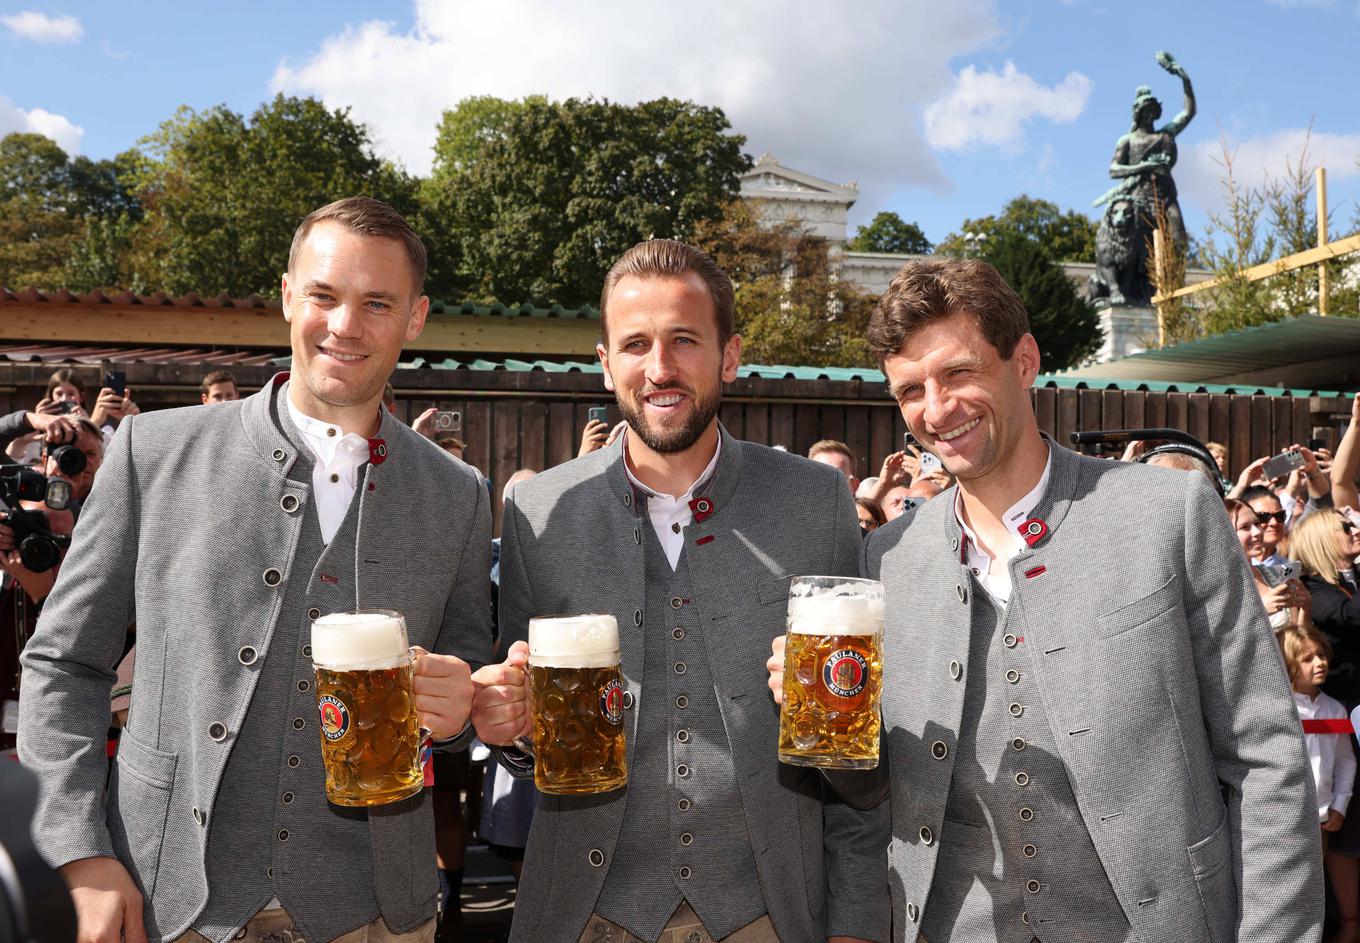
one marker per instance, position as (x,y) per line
(294,762)
(627,700)
(314,613)
(1022,778)
(217,731)
(1032,886)
(680,667)
(272,577)
(596,857)
(912,912)
(1017,709)
(676,602)
(1013,676)
(927,837)
(299,723)
(283,834)
(304,686)
(682,702)
(682,771)
(1029,851)
(306,651)
(1018,743)
(686,873)
(198,816)
(246,655)
(955,670)
(289,503)
(1026,814)
(686,839)
(287,798)
(677,634)
(637,617)
(280,455)
(684,805)
(963,593)
(1010,641)
(682,736)
(939,749)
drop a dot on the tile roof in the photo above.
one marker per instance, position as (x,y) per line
(69,353)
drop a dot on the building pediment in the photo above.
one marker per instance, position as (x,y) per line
(771,180)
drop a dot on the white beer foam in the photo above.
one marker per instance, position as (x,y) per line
(852,607)
(358,640)
(589,641)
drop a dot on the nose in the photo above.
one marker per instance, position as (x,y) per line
(939,406)
(660,367)
(343,321)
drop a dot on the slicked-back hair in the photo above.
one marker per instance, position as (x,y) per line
(831,445)
(365,216)
(667,258)
(217,376)
(926,290)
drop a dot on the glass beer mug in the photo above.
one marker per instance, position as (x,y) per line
(370,735)
(833,673)
(576,697)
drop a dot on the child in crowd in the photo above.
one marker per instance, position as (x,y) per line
(1306,655)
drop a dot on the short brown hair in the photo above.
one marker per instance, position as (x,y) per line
(926,290)
(65,375)
(667,258)
(831,445)
(1294,639)
(217,376)
(365,216)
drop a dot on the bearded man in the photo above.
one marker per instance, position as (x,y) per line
(689,537)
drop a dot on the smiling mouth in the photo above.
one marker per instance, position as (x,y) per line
(664,398)
(343,357)
(955,433)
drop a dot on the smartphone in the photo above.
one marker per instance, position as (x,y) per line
(1315,444)
(930,463)
(908,442)
(1281,465)
(67,406)
(1279,575)
(448,420)
(116,380)
(597,414)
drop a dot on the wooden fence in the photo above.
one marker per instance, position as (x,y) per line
(515,420)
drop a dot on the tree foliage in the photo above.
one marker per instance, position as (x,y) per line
(1064,237)
(539,198)
(1065,325)
(888,232)
(223,195)
(790,307)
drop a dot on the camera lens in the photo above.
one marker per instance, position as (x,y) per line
(38,553)
(69,459)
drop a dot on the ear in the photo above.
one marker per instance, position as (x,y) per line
(287,295)
(419,313)
(603,354)
(731,358)
(1027,356)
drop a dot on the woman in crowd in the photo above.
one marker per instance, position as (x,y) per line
(1287,603)
(1270,512)
(870,515)
(1327,543)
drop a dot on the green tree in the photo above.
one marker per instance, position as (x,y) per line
(1065,325)
(790,309)
(1064,237)
(37,225)
(541,197)
(222,195)
(888,232)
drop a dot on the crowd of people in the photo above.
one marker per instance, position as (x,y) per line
(1022,651)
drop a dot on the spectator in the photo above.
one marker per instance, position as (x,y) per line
(1286,603)
(219,387)
(65,395)
(597,435)
(452,444)
(897,502)
(923,489)
(65,386)
(895,472)
(1326,543)
(1306,655)
(1270,512)
(1220,453)
(37,427)
(838,456)
(91,443)
(870,515)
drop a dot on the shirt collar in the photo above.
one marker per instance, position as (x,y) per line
(699,482)
(325,439)
(1018,512)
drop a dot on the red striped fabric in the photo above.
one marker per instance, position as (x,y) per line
(1341,725)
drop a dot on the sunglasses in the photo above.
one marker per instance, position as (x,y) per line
(1265,517)
(1347,526)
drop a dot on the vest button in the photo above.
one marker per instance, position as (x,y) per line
(1032,886)
(1022,778)
(686,839)
(306,651)
(314,613)
(596,857)
(684,805)
(927,836)
(1024,918)
(682,702)
(1026,814)
(246,655)
(939,749)
(287,798)
(283,834)
(637,617)
(627,700)
(1016,709)
(1010,641)
(217,732)
(912,912)
(682,771)
(272,577)
(682,736)
(680,667)
(686,873)
(676,602)
(1013,676)
(304,686)
(955,670)
(1029,851)
(1018,743)
(299,723)
(677,633)
(289,503)
(294,761)
(269,871)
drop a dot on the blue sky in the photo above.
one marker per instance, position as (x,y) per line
(938,111)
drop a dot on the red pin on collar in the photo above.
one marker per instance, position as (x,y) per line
(702,509)
(377,451)
(1033,530)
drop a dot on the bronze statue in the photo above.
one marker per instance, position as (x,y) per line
(1142,164)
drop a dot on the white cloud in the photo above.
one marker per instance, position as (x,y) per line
(833,91)
(1262,157)
(991,109)
(42,28)
(40,121)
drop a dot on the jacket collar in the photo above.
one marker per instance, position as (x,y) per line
(718,490)
(264,416)
(1053,504)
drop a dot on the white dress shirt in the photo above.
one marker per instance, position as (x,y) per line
(1330,754)
(335,472)
(671,515)
(998,584)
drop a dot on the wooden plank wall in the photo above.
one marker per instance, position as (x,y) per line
(534,419)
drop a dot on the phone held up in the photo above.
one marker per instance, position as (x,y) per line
(598,414)
(1281,465)
(448,420)
(116,380)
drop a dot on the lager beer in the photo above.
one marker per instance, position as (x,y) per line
(370,735)
(833,671)
(576,691)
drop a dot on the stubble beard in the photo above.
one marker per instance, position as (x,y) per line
(669,441)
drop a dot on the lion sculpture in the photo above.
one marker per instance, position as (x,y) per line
(1121,276)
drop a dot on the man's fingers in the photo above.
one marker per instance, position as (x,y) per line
(134,927)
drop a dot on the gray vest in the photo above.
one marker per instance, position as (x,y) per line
(683,835)
(1013,840)
(276,835)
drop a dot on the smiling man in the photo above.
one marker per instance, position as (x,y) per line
(222,533)
(688,536)
(1088,732)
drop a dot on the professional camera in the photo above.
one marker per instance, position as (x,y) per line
(69,458)
(39,548)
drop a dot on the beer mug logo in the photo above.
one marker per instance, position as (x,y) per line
(611,701)
(334,718)
(844,672)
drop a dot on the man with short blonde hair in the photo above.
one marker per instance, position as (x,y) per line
(838,455)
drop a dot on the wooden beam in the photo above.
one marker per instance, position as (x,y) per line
(1279,266)
(168,326)
(1322,238)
